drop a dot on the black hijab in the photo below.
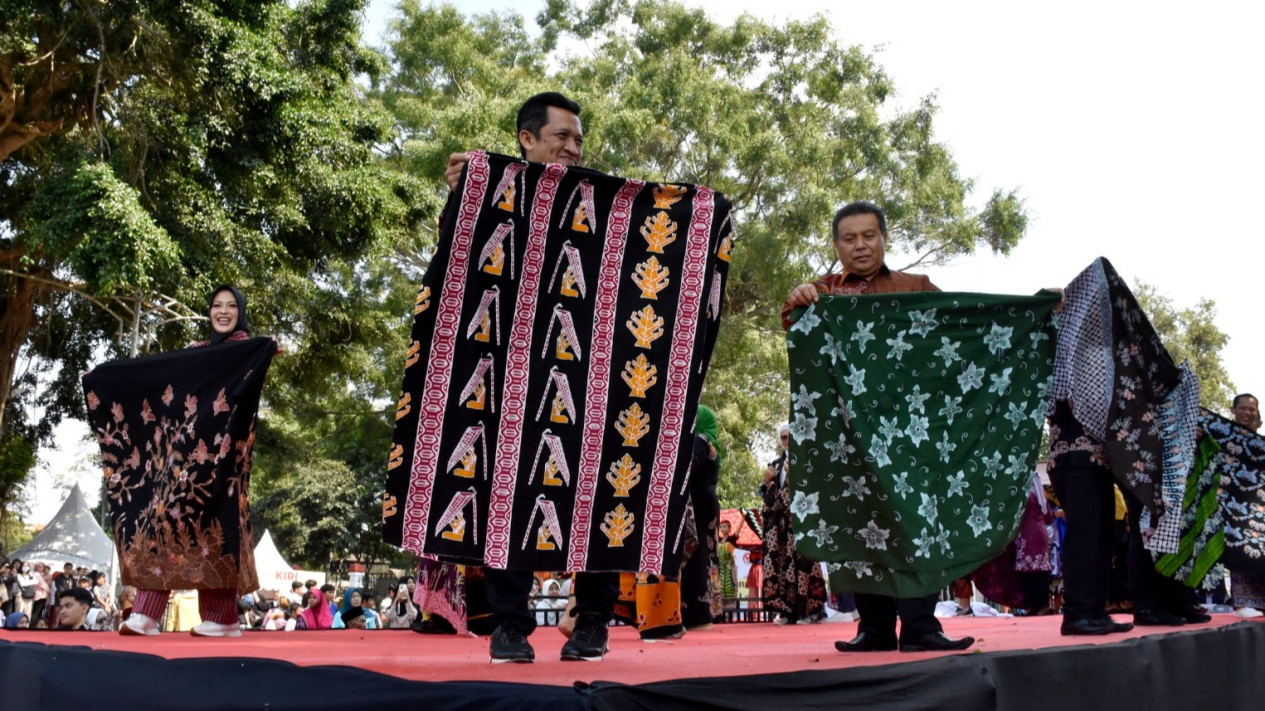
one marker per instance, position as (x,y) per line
(242,323)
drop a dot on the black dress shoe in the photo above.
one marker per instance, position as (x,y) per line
(936,642)
(1151,617)
(866,642)
(1115,626)
(1088,627)
(1196,615)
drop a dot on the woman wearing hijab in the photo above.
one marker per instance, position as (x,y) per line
(793,585)
(315,614)
(205,509)
(17,621)
(702,601)
(354,600)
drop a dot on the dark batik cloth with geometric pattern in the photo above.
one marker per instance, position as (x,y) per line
(915,421)
(176,432)
(560,341)
(1241,465)
(1126,392)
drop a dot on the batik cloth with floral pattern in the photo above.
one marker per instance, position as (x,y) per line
(915,421)
(1123,388)
(176,432)
(1202,525)
(1241,463)
(792,584)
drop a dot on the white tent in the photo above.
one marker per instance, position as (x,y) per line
(73,536)
(274,572)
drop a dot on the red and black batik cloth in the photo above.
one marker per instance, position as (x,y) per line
(559,345)
(176,432)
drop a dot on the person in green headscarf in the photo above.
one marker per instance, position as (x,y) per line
(705,425)
(702,601)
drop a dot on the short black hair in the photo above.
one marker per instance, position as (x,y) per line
(1240,396)
(534,114)
(80,595)
(860,207)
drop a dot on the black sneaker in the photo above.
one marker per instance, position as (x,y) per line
(589,641)
(510,645)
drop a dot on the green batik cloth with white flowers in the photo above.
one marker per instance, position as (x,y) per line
(915,421)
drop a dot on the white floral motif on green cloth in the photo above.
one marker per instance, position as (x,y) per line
(915,420)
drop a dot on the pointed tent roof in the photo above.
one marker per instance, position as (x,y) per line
(274,572)
(73,536)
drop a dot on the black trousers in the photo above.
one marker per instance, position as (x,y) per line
(1148,588)
(508,592)
(1089,505)
(879,613)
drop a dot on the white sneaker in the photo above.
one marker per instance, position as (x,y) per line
(207,628)
(139,625)
(1247,612)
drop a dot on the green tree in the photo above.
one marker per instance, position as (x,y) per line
(1191,336)
(152,149)
(784,119)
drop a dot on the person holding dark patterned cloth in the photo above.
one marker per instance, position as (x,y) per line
(549,131)
(1078,471)
(860,241)
(1249,593)
(217,605)
(793,585)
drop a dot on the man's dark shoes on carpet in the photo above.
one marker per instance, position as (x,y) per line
(1151,617)
(1115,626)
(1091,627)
(1196,615)
(509,644)
(936,642)
(866,642)
(589,641)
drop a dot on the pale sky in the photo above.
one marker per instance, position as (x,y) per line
(1130,128)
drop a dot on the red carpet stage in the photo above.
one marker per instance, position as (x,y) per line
(1016,663)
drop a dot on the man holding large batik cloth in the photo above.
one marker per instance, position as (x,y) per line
(915,420)
(561,338)
(1120,408)
(1241,544)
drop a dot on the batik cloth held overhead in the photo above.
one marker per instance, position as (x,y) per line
(915,420)
(1126,391)
(176,432)
(560,341)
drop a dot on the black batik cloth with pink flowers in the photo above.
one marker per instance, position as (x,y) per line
(176,432)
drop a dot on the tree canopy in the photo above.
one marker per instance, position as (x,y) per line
(151,150)
(786,120)
(1191,336)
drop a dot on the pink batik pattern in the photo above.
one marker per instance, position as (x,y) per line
(605,321)
(673,425)
(430,420)
(517,370)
